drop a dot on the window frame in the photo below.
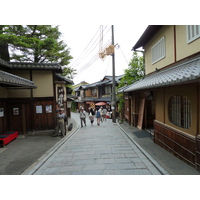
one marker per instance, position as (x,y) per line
(193,32)
(179,111)
(158,51)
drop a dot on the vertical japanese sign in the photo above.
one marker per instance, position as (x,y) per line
(61,97)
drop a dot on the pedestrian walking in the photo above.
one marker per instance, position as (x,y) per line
(91,115)
(82,116)
(101,113)
(60,123)
(104,112)
(98,116)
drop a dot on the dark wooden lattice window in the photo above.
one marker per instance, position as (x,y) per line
(180,111)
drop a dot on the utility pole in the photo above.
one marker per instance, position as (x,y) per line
(113,104)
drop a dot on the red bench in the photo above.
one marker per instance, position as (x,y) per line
(8,137)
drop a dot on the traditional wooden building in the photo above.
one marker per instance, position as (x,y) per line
(101,91)
(31,107)
(168,98)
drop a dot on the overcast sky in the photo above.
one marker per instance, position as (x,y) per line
(78,37)
(79,21)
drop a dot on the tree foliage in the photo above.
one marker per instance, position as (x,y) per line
(34,43)
(69,72)
(134,72)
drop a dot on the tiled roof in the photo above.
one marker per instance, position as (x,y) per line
(24,65)
(97,99)
(64,78)
(150,31)
(8,79)
(99,83)
(4,63)
(121,90)
(179,74)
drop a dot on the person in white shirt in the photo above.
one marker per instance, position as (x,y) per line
(82,116)
(104,112)
(60,123)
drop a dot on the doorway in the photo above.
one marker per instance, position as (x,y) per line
(18,117)
(149,111)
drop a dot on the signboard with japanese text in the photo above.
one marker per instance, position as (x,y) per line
(61,97)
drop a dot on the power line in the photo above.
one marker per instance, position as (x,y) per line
(90,47)
(85,48)
(89,52)
(123,54)
(92,60)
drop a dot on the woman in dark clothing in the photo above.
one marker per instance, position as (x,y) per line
(91,115)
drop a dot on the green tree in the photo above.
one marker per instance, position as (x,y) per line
(134,73)
(34,43)
(69,72)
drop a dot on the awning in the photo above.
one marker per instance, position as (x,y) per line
(101,104)
(181,73)
(10,80)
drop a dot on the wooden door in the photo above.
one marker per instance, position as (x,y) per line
(18,118)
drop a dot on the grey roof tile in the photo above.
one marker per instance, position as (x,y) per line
(13,80)
(26,65)
(4,63)
(179,74)
(59,76)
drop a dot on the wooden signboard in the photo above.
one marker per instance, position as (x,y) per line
(61,97)
(141,114)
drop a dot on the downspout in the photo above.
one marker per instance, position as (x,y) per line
(54,98)
(198,108)
(174,43)
(32,105)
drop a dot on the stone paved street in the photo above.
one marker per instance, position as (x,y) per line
(96,150)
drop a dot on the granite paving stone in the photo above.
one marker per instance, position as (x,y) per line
(97,150)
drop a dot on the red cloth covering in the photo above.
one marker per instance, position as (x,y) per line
(8,137)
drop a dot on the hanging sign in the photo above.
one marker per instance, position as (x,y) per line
(61,97)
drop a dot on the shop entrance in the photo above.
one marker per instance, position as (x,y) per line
(146,111)
(18,117)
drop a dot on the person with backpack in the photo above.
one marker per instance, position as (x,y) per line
(98,116)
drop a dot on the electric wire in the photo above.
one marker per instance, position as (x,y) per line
(85,48)
(89,51)
(93,59)
(90,47)
(123,54)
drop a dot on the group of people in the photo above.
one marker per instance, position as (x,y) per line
(61,127)
(101,114)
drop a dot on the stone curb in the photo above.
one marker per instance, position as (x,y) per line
(150,158)
(36,165)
